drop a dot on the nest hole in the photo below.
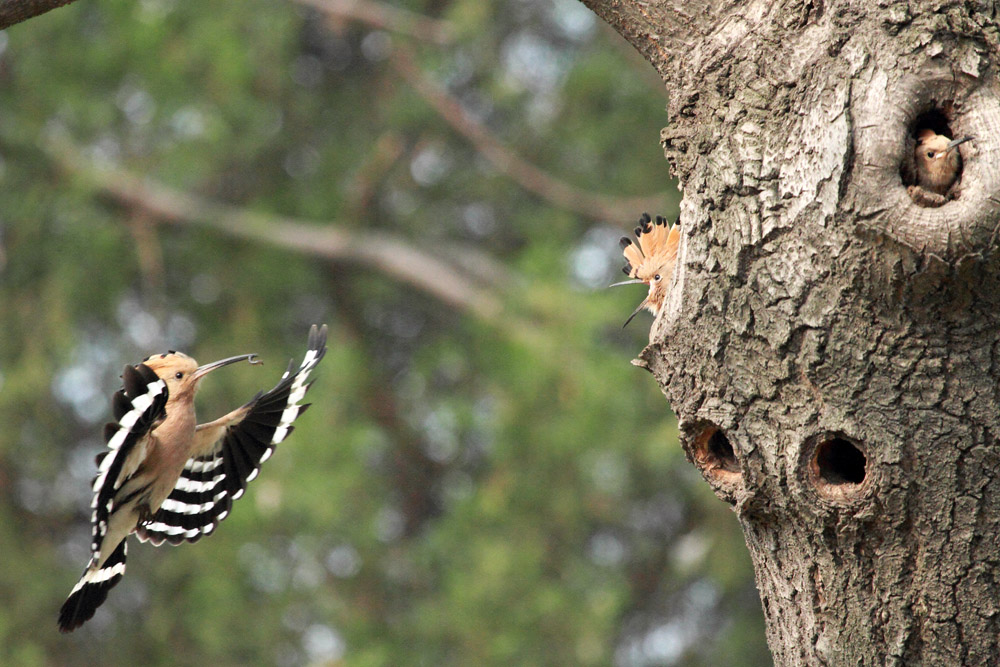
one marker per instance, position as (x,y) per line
(938,120)
(714,453)
(838,462)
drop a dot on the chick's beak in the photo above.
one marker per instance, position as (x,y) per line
(202,371)
(957,142)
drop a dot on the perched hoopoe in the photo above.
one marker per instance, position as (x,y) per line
(166,477)
(651,261)
(937,161)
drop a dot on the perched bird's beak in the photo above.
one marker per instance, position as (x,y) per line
(637,310)
(202,371)
(636,281)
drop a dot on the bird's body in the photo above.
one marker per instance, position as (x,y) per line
(651,261)
(165,477)
(938,162)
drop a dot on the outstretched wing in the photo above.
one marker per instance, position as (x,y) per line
(138,408)
(229,453)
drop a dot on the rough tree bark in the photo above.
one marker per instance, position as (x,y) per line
(829,346)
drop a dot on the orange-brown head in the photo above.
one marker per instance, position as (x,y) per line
(937,160)
(182,373)
(651,260)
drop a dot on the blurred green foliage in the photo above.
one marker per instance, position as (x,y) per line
(467,489)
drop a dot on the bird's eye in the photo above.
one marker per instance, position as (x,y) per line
(930,154)
(656,277)
(178,375)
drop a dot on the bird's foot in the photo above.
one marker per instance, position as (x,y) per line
(925,198)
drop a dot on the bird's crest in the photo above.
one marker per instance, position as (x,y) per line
(656,248)
(651,259)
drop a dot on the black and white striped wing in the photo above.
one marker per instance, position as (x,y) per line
(238,443)
(138,408)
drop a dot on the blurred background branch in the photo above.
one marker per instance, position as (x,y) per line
(558,192)
(386,17)
(372,248)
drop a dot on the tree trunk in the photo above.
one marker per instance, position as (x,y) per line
(830,346)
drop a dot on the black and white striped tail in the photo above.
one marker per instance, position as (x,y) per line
(204,493)
(91,591)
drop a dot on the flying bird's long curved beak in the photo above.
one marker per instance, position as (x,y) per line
(634,281)
(202,371)
(635,312)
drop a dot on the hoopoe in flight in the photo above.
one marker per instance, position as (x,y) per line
(651,261)
(167,478)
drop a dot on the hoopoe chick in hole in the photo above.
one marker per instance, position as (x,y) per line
(938,166)
(167,478)
(651,260)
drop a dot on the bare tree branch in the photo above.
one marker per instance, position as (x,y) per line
(15,11)
(149,254)
(385,252)
(361,189)
(387,17)
(386,151)
(594,206)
